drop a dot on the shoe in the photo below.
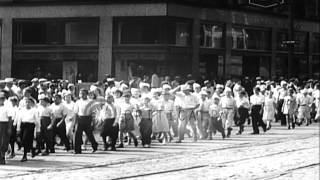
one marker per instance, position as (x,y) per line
(52,151)
(24,159)
(179,141)
(135,141)
(3,161)
(33,153)
(94,148)
(77,152)
(254,133)
(12,155)
(120,146)
(38,152)
(148,146)
(238,133)
(45,153)
(113,148)
(106,146)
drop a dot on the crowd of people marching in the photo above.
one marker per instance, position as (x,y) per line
(33,115)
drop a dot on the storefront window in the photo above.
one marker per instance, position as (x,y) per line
(281,66)
(248,38)
(316,42)
(82,32)
(238,38)
(315,66)
(182,34)
(281,37)
(211,36)
(32,33)
(301,39)
(152,31)
(55,31)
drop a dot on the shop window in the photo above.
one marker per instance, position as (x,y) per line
(301,39)
(33,33)
(316,42)
(282,36)
(315,66)
(248,38)
(82,32)
(211,36)
(182,34)
(281,66)
(153,31)
(140,32)
(238,38)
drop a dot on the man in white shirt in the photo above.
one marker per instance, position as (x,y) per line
(58,124)
(5,128)
(256,101)
(188,103)
(83,122)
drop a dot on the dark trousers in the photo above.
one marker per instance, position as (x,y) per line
(4,139)
(83,124)
(111,131)
(27,135)
(13,138)
(257,118)
(46,134)
(146,130)
(280,116)
(60,130)
(243,115)
(215,124)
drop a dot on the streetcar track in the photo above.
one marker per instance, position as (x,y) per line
(218,165)
(288,171)
(128,161)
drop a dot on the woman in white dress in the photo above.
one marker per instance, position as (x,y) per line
(70,118)
(269,109)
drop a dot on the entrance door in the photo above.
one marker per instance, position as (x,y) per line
(209,65)
(250,66)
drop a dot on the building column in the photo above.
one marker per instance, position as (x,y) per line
(6,48)
(309,56)
(228,44)
(273,52)
(105,47)
(195,47)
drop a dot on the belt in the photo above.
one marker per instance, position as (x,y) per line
(303,105)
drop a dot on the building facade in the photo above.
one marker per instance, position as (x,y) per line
(86,40)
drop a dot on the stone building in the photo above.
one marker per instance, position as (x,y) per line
(217,39)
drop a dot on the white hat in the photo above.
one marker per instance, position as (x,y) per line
(41,96)
(8,80)
(219,86)
(135,92)
(203,93)
(185,87)
(166,86)
(41,80)
(227,89)
(143,84)
(283,83)
(146,95)
(196,85)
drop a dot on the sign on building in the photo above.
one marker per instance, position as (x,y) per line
(265,3)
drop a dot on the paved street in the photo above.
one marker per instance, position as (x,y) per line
(277,154)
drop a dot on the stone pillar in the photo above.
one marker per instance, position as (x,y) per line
(105,47)
(227,56)
(273,52)
(6,47)
(195,47)
(309,53)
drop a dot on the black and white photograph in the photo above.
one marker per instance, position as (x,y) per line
(159,89)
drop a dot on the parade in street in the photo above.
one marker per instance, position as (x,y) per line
(39,116)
